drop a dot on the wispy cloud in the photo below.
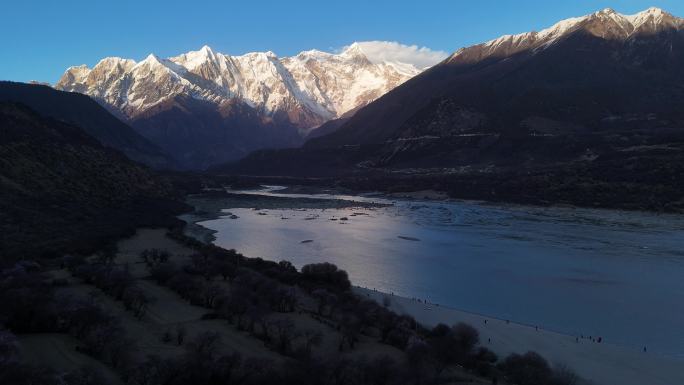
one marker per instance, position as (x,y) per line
(421,57)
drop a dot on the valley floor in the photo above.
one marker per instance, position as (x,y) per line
(597,363)
(168,311)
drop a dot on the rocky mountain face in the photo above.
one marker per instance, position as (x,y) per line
(84,112)
(62,191)
(584,104)
(205,107)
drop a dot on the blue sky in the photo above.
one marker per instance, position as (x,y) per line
(42,38)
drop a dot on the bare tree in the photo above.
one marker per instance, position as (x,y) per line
(257,315)
(288,300)
(326,301)
(349,329)
(166,337)
(136,300)
(107,255)
(284,332)
(162,273)
(226,269)
(181,332)
(210,293)
(201,264)
(311,338)
(205,344)
(235,307)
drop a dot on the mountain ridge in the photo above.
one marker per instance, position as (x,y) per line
(616,25)
(62,191)
(90,116)
(481,60)
(204,107)
(214,76)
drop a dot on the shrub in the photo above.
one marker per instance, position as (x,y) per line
(162,273)
(562,375)
(465,337)
(527,369)
(27,300)
(205,344)
(326,274)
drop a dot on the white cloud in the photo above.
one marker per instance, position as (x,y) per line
(421,57)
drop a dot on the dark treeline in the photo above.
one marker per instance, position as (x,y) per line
(63,192)
(31,304)
(258,286)
(649,183)
(259,291)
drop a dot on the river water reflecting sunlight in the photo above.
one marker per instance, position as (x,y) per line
(615,274)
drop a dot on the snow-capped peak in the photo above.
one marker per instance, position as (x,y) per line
(206,50)
(76,74)
(113,60)
(353,49)
(355,52)
(153,62)
(314,53)
(310,88)
(205,53)
(79,69)
(194,59)
(152,59)
(606,23)
(654,11)
(653,15)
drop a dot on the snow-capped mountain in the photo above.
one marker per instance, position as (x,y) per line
(309,88)
(204,107)
(606,24)
(586,91)
(587,112)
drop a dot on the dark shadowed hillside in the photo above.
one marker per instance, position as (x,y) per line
(598,76)
(62,191)
(84,112)
(200,133)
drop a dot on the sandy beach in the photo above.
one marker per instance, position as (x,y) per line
(597,363)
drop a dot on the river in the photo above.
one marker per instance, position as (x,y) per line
(614,274)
